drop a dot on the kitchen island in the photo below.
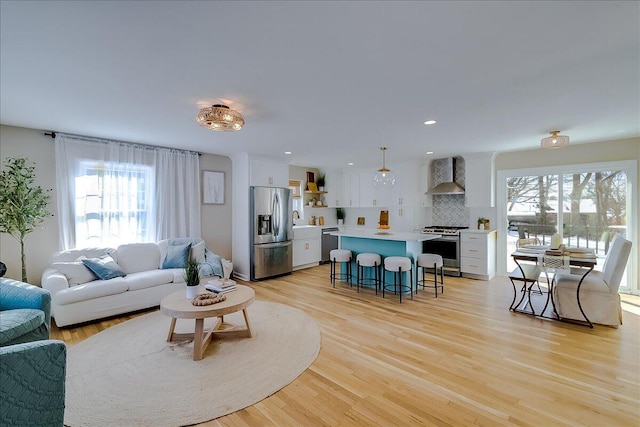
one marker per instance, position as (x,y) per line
(385,243)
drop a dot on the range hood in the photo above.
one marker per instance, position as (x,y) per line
(444,172)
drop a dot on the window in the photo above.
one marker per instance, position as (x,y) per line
(586,204)
(113,204)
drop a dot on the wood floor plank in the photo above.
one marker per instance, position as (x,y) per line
(461,359)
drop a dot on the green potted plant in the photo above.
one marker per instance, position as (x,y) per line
(320,182)
(192,278)
(340,215)
(23,206)
(482,223)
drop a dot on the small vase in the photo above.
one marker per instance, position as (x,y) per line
(340,221)
(321,188)
(193,291)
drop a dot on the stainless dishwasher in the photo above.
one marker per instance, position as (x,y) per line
(329,242)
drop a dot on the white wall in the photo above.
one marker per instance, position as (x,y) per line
(42,243)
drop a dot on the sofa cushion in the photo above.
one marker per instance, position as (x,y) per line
(18,322)
(74,254)
(177,256)
(178,274)
(148,279)
(91,290)
(104,267)
(76,272)
(197,251)
(137,257)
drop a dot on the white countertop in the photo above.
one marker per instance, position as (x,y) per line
(386,235)
(475,231)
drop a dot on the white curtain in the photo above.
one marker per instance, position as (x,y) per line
(110,193)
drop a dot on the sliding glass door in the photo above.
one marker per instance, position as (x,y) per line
(586,204)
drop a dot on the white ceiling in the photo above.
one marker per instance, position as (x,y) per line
(330,81)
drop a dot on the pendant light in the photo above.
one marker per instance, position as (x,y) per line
(384,178)
(555,140)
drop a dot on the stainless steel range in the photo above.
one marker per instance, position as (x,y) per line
(447,246)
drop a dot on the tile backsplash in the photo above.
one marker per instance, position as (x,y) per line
(450,210)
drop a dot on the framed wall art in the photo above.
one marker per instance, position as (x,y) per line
(212,188)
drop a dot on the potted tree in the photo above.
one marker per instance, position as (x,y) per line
(340,215)
(23,206)
(192,278)
(320,182)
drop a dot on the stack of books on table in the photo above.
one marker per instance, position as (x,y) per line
(221,286)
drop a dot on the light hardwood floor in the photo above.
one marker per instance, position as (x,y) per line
(461,359)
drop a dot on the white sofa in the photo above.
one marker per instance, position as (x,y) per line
(76,295)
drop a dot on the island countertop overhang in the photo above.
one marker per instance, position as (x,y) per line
(395,236)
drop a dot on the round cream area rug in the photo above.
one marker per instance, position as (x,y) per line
(128,375)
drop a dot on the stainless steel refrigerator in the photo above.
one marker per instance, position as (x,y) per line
(271,232)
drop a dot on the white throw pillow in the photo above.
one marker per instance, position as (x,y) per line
(197,251)
(75,271)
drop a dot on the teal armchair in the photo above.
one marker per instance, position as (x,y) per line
(25,312)
(32,384)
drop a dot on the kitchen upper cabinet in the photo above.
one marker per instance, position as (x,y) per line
(334,185)
(371,197)
(424,182)
(479,182)
(268,173)
(351,189)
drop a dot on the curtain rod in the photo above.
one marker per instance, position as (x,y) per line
(53,134)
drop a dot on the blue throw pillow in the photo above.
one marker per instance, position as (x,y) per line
(177,256)
(104,267)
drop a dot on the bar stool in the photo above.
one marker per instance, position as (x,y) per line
(398,265)
(336,256)
(368,260)
(430,261)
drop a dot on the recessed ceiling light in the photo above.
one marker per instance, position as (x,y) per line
(429,152)
(287,152)
(350,163)
(430,122)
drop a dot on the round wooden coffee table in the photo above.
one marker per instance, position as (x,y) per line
(178,306)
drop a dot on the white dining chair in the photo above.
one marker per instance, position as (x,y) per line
(598,300)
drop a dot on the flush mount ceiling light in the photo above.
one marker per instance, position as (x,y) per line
(219,117)
(384,177)
(555,140)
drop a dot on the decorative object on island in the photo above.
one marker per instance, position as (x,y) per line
(192,278)
(384,178)
(24,206)
(555,140)
(340,215)
(320,182)
(360,220)
(219,117)
(384,220)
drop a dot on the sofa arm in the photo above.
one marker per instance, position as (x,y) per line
(32,383)
(15,295)
(54,281)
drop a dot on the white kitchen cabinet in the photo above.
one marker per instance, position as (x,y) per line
(307,247)
(479,182)
(268,173)
(335,187)
(424,181)
(370,196)
(478,254)
(351,189)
